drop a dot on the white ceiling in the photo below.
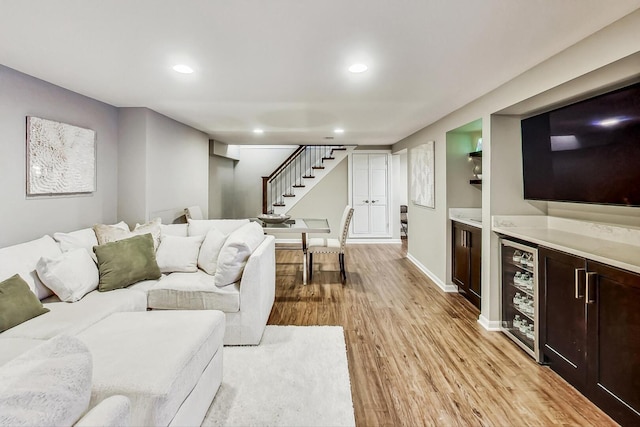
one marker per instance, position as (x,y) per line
(281,65)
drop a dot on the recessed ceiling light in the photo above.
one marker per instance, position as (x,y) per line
(257,130)
(338,130)
(183,69)
(358,68)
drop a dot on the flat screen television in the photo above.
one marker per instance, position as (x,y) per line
(587,152)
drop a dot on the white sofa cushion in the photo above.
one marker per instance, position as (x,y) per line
(22,259)
(210,250)
(10,348)
(236,251)
(200,227)
(70,275)
(180,230)
(65,318)
(193,291)
(154,358)
(49,385)
(179,254)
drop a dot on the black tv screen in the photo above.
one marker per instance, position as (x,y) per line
(587,152)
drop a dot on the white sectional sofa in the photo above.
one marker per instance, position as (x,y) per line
(168,361)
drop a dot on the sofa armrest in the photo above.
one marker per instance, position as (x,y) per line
(114,411)
(258,284)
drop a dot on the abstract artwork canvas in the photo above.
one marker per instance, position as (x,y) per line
(61,158)
(422,175)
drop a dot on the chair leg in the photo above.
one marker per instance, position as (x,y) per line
(310,256)
(343,273)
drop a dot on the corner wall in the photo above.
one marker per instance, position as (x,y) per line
(22,218)
(587,61)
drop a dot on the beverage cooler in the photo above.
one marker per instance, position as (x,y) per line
(519,283)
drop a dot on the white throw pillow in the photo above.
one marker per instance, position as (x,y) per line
(235,252)
(84,238)
(23,258)
(114,233)
(70,276)
(210,250)
(200,227)
(49,385)
(152,227)
(179,254)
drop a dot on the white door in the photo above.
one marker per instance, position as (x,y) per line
(370,196)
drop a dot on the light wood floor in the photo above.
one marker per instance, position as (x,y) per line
(417,355)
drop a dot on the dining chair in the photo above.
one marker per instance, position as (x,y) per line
(321,245)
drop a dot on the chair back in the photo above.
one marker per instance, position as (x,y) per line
(344,225)
(193,212)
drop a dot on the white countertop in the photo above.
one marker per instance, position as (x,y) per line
(610,244)
(468,216)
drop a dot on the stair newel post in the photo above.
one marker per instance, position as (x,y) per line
(265,180)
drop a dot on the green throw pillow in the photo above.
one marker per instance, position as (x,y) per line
(126,262)
(17,303)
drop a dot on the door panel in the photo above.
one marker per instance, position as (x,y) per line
(614,342)
(379,221)
(563,316)
(370,195)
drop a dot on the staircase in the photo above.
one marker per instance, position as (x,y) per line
(298,174)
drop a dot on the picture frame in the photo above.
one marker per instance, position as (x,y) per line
(61,158)
(422,159)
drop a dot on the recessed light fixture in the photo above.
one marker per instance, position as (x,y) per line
(258,131)
(338,130)
(358,68)
(183,69)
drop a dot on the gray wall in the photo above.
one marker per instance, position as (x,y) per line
(221,187)
(164,166)
(23,219)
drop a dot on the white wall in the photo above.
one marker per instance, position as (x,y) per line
(326,200)
(132,166)
(254,163)
(23,219)
(555,78)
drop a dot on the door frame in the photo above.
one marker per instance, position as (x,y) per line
(391,216)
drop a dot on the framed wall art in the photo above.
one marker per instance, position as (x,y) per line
(423,175)
(61,158)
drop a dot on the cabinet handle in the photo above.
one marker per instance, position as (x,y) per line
(578,274)
(588,299)
(366,201)
(464,238)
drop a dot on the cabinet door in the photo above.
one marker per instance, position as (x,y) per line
(475,263)
(563,333)
(613,313)
(361,200)
(460,267)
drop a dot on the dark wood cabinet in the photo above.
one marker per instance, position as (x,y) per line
(467,261)
(590,330)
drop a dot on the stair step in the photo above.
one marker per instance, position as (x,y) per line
(317,167)
(339,149)
(308,176)
(279,204)
(299,186)
(328,158)
(288,195)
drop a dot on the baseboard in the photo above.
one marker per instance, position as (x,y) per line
(290,241)
(489,325)
(430,275)
(363,241)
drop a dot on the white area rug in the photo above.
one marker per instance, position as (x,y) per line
(297,376)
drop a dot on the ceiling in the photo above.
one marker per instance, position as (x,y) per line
(281,65)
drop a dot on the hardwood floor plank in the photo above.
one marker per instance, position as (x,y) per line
(417,355)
